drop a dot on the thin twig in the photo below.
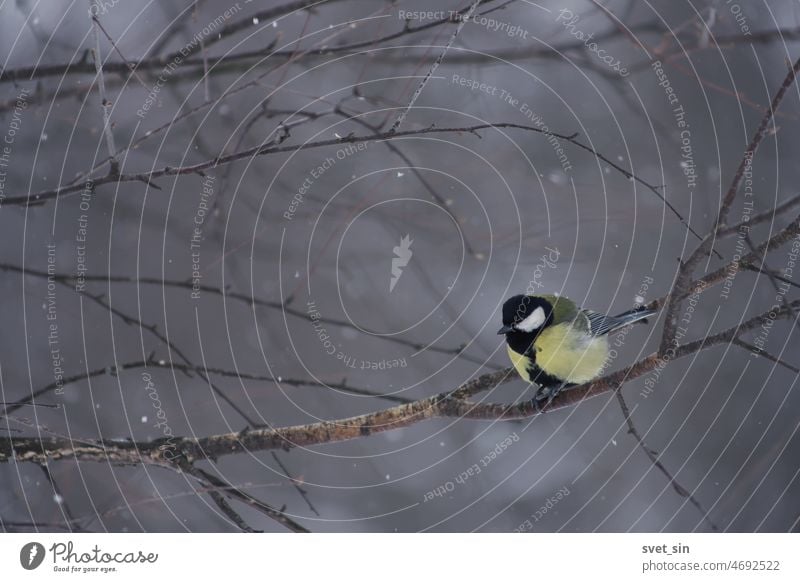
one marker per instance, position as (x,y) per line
(60,500)
(151,362)
(303,493)
(254,301)
(765,354)
(154,331)
(105,103)
(269,149)
(110,39)
(767,216)
(764,268)
(233,492)
(204,55)
(750,152)
(746,262)
(464,19)
(653,456)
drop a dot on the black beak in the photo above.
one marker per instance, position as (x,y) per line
(504,330)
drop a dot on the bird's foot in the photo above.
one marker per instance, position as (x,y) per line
(548,394)
(536,405)
(541,394)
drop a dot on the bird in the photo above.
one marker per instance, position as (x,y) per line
(555,344)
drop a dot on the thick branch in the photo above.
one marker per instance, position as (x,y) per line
(442,405)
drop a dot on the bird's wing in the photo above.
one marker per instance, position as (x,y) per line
(600,324)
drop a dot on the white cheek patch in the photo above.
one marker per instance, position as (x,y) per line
(533,321)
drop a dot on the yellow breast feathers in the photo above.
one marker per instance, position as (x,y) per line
(521,363)
(570,354)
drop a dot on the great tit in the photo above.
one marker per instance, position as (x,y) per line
(555,344)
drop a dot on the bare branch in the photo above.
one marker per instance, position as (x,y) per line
(268,149)
(235,493)
(171,347)
(445,404)
(767,216)
(123,68)
(687,267)
(746,262)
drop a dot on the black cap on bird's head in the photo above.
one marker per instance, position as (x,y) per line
(526,314)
